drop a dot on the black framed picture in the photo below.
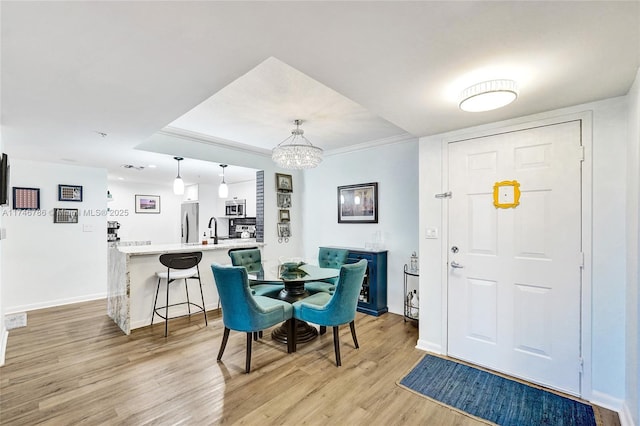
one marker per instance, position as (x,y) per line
(284,183)
(65,215)
(147,204)
(358,203)
(26,198)
(69,193)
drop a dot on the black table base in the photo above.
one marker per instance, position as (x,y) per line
(304,332)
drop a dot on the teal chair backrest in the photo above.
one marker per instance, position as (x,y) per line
(249,258)
(240,311)
(341,308)
(332,257)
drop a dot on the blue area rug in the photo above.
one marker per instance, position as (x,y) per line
(492,397)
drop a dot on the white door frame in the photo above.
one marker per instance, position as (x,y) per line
(586,181)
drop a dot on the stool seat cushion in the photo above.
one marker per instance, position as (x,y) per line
(178,274)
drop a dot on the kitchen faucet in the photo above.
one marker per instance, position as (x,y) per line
(215,229)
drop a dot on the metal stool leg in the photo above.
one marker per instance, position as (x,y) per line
(186,288)
(166,311)
(155,302)
(204,309)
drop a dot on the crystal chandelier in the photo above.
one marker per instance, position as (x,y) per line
(296,152)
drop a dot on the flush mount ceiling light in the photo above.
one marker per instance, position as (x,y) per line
(488,95)
(223,189)
(178,183)
(296,152)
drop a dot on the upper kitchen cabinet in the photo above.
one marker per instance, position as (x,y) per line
(191,193)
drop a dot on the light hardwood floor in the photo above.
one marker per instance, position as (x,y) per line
(72,365)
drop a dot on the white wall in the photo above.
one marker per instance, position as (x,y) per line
(3,332)
(46,264)
(608,246)
(632,398)
(395,168)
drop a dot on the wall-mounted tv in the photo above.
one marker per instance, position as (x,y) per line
(4,179)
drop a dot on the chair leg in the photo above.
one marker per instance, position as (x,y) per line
(352,325)
(155,301)
(186,289)
(223,345)
(248,363)
(204,309)
(323,329)
(255,336)
(166,312)
(336,345)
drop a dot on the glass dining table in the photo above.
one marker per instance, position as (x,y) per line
(294,278)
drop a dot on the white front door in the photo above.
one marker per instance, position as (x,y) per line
(514,304)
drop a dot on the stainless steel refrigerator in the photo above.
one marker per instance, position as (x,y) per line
(190,219)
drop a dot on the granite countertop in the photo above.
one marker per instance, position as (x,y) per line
(183,248)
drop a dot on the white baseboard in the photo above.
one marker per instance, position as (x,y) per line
(606,401)
(52,303)
(3,345)
(626,419)
(429,346)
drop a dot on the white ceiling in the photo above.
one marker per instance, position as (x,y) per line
(355,72)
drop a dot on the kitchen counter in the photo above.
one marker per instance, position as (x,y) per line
(132,279)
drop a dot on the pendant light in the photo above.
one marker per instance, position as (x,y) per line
(296,152)
(223,189)
(178,183)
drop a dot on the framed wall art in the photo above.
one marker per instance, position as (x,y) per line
(283,216)
(147,204)
(284,183)
(358,203)
(69,193)
(65,215)
(284,200)
(26,198)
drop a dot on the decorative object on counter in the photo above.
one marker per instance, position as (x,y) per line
(147,203)
(69,193)
(284,183)
(178,183)
(223,189)
(205,240)
(411,303)
(291,270)
(296,152)
(283,216)
(358,203)
(65,215)
(26,198)
(284,200)
(413,262)
(284,232)
(376,243)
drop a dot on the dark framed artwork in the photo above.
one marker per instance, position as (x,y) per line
(69,193)
(26,198)
(358,203)
(284,200)
(284,216)
(4,179)
(147,204)
(65,215)
(284,183)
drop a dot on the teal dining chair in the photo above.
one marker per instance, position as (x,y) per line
(251,259)
(245,312)
(333,310)
(328,258)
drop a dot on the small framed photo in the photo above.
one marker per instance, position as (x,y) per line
(147,204)
(284,183)
(283,216)
(65,215)
(358,203)
(284,230)
(26,198)
(69,193)
(284,200)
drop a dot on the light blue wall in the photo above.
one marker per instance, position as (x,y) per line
(395,168)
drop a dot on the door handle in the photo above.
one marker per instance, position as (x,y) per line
(455,264)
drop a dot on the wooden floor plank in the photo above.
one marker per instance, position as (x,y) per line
(72,365)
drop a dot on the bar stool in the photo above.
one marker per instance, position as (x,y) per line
(180,266)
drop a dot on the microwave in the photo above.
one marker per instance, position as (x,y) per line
(235,208)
